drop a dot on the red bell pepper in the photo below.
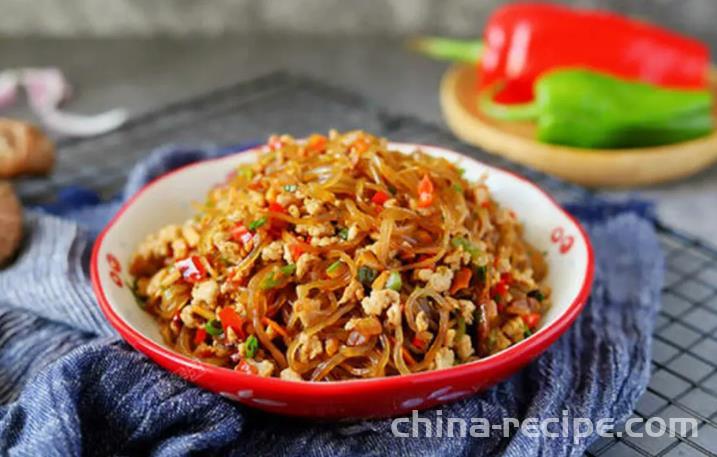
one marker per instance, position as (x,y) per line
(230,318)
(200,336)
(246,368)
(531,320)
(241,234)
(523,41)
(275,207)
(192,269)
(418,343)
(380,197)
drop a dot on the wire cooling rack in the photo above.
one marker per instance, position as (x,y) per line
(684,379)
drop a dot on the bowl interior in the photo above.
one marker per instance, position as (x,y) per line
(170,200)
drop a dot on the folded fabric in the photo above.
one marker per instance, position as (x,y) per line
(69,386)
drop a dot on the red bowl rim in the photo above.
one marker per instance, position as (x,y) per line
(520,353)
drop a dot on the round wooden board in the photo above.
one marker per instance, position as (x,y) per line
(589,167)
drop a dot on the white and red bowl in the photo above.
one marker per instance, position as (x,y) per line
(169,199)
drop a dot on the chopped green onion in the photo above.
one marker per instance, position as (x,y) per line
(461,242)
(481,272)
(269,282)
(527,333)
(491,340)
(288,270)
(496,298)
(366,275)
(394,281)
(213,327)
(461,322)
(333,267)
(461,171)
(245,172)
(392,189)
(291,187)
(344,234)
(135,293)
(458,188)
(257,223)
(536,294)
(479,315)
(250,346)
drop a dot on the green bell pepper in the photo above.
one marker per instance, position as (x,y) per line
(587,109)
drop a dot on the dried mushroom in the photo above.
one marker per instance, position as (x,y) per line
(10,222)
(24,149)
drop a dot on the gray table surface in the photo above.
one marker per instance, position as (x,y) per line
(144,74)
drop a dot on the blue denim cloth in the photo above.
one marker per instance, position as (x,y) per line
(69,386)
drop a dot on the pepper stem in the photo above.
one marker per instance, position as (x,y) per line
(469,51)
(514,112)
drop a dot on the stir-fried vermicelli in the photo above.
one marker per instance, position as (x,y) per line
(336,258)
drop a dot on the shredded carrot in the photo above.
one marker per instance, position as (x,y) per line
(256,185)
(461,280)
(277,328)
(407,356)
(425,192)
(317,142)
(424,237)
(419,343)
(296,250)
(361,145)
